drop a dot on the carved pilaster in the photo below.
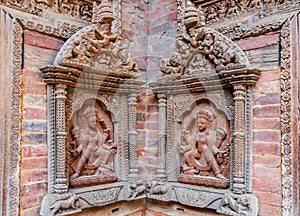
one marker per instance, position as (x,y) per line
(132,135)
(162,106)
(239,139)
(61,136)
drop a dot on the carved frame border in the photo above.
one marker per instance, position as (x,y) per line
(289,115)
(11,160)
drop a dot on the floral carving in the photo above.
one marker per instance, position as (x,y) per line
(91,147)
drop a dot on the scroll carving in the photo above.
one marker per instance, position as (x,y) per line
(205,147)
(91,147)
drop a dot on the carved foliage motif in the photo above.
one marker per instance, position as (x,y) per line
(204,146)
(80,9)
(201,47)
(195,197)
(91,146)
(231,8)
(101,197)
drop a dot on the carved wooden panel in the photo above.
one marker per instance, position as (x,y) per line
(204,146)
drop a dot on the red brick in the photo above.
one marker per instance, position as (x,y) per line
(141,116)
(32,176)
(33,189)
(270,86)
(266,111)
(268,198)
(154,213)
(151,99)
(141,107)
(266,136)
(140,125)
(34,163)
(267,148)
(34,151)
(31,201)
(266,173)
(267,123)
(32,88)
(31,211)
(31,76)
(258,42)
(31,113)
(267,160)
(269,75)
(272,186)
(152,134)
(270,98)
(34,138)
(151,142)
(152,117)
(266,210)
(172,16)
(152,125)
(141,152)
(40,40)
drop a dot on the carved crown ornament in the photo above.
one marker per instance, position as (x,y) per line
(91,93)
(205,115)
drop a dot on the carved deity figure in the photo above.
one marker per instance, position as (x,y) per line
(201,152)
(92,148)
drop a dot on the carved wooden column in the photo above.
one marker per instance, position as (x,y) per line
(132,136)
(61,185)
(162,106)
(239,139)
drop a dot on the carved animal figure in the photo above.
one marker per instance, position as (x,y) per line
(64,202)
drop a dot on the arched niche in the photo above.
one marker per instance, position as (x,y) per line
(91,94)
(205,71)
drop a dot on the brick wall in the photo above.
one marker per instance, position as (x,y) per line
(150,31)
(39,50)
(263,53)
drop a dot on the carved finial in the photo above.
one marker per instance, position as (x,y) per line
(102,13)
(191,15)
(201,18)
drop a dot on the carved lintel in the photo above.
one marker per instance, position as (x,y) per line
(132,135)
(239,139)
(162,106)
(61,136)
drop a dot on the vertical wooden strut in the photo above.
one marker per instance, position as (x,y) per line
(61,185)
(162,106)
(239,140)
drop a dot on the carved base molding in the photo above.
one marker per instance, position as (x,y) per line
(94,180)
(203,180)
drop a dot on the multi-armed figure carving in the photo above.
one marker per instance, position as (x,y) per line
(92,148)
(201,151)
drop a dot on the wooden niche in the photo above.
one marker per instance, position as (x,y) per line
(91,94)
(205,114)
